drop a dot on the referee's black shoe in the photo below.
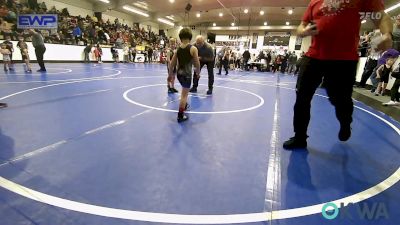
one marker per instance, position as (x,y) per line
(295,143)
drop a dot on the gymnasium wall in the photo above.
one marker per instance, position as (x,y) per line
(122,17)
(154,26)
(57,52)
(306,43)
(84,8)
(75,7)
(174,32)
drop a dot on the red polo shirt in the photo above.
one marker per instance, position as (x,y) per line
(338,23)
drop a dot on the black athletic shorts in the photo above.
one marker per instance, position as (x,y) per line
(185,79)
(384,79)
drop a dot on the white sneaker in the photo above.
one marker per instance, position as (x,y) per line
(391,103)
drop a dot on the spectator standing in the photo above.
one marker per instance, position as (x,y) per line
(115,54)
(299,63)
(394,93)
(225,62)
(150,54)
(246,58)
(126,53)
(221,55)
(292,62)
(133,52)
(107,37)
(268,59)
(285,59)
(372,62)
(87,51)
(383,74)
(278,63)
(98,52)
(390,53)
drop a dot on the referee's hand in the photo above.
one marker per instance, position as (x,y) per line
(309,30)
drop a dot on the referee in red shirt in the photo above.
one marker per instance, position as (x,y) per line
(334,27)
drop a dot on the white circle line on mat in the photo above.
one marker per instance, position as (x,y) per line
(125,95)
(118,72)
(40,74)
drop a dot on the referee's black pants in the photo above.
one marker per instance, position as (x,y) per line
(210,70)
(39,51)
(339,77)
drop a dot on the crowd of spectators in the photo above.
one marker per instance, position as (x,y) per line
(369,39)
(264,60)
(75,30)
(381,66)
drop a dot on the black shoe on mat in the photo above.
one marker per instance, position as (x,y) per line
(295,143)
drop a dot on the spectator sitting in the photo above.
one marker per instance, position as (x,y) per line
(43,6)
(5,28)
(3,11)
(11,16)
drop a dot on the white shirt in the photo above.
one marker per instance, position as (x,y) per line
(107,36)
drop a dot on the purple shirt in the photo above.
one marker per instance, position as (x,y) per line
(391,53)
